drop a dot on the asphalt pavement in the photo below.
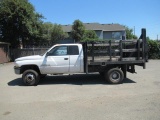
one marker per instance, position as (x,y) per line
(81,97)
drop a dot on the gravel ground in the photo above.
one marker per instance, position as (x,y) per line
(81,97)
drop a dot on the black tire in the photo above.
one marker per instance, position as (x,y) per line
(114,76)
(30,77)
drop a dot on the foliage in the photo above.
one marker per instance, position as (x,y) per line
(18,21)
(51,33)
(90,35)
(154,49)
(45,31)
(57,33)
(78,30)
(129,33)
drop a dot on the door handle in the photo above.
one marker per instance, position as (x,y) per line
(65,58)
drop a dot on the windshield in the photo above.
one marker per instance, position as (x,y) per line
(44,50)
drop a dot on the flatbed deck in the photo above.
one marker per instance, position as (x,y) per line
(116,52)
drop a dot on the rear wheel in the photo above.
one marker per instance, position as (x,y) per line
(114,76)
(30,77)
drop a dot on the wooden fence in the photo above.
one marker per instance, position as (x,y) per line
(16,53)
(4,52)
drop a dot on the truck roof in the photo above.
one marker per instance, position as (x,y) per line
(68,44)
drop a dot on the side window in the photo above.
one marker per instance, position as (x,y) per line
(73,50)
(58,51)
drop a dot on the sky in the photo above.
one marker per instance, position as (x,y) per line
(132,13)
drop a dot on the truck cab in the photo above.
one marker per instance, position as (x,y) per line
(59,59)
(63,58)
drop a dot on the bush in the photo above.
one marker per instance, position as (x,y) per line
(154,49)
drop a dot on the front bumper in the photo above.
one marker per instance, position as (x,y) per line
(17,70)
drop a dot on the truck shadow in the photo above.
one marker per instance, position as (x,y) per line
(77,79)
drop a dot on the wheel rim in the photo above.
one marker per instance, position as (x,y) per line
(115,76)
(29,78)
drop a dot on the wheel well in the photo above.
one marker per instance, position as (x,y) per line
(108,67)
(26,67)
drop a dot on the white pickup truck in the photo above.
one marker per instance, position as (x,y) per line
(111,59)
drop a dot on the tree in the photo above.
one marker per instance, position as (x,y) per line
(129,33)
(57,33)
(51,33)
(18,21)
(78,30)
(154,49)
(90,35)
(45,31)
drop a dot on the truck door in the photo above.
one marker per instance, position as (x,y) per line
(56,61)
(74,59)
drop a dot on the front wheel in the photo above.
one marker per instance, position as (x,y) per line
(114,76)
(30,77)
